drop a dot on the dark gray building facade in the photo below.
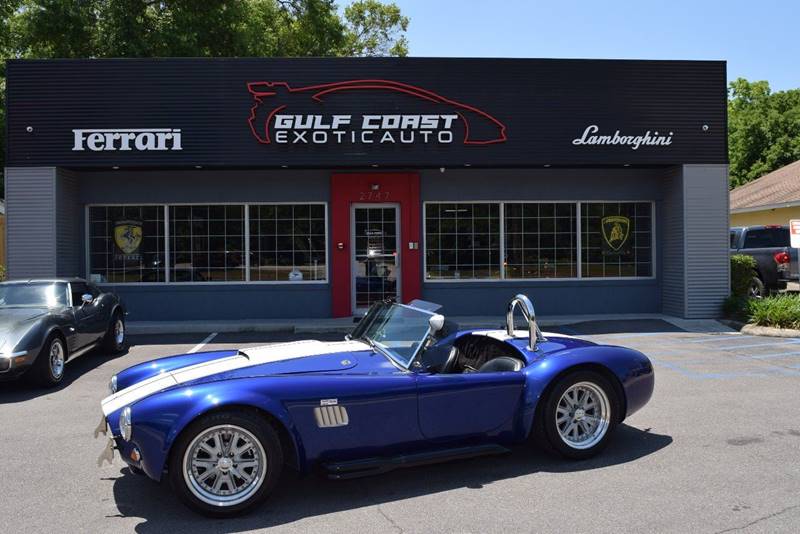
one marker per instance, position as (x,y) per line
(279,188)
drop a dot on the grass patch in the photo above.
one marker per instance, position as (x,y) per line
(781,311)
(778,311)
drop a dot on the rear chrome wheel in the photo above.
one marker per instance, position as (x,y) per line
(578,415)
(582,415)
(114,340)
(119,331)
(226,462)
(224,465)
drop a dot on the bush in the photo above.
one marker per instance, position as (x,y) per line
(742,268)
(736,308)
(781,311)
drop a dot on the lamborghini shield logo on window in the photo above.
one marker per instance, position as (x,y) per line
(616,230)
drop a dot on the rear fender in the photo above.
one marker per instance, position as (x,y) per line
(631,369)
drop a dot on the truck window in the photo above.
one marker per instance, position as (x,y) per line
(767,238)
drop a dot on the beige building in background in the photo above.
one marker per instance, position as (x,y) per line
(772,199)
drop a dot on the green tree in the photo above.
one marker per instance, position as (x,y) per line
(192,28)
(763,129)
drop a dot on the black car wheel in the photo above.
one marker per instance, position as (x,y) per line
(578,415)
(115,338)
(225,463)
(48,369)
(757,290)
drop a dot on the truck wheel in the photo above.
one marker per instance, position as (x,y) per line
(757,290)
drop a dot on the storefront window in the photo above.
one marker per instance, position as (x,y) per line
(462,241)
(540,240)
(126,244)
(616,239)
(206,243)
(287,242)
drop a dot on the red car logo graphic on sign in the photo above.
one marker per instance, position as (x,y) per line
(271,98)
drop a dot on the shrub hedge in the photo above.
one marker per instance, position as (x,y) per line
(742,269)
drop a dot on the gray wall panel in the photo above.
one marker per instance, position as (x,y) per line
(31,221)
(672,245)
(549,298)
(158,186)
(707,239)
(69,223)
(542,184)
(224,302)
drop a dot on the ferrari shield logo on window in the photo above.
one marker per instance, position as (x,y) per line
(128,236)
(616,230)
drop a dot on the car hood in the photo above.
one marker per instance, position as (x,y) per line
(300,357)
(12,318)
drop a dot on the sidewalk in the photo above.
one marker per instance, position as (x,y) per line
(345,324)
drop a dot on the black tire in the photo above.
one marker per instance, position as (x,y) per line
(110,343)
(259,428)
(43,373)
(757,289)
(546,430)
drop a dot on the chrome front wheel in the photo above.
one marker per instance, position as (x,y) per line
(224,465)
(57,359)
(226,462)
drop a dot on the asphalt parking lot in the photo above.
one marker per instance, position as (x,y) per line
(716,450)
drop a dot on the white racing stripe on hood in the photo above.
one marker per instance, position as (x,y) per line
(251,357)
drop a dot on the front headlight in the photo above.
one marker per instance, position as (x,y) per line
(125,427)
(112,384)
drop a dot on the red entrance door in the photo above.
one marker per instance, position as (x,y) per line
(375,227)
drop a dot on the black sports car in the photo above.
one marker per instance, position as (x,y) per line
(44,323)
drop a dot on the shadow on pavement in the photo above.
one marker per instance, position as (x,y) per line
(632,326)
(20,390)
(296,498)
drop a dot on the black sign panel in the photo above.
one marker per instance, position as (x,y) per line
(358,112)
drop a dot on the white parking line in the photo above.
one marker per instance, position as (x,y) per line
(203,343)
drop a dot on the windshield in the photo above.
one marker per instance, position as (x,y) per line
(396,330)
(46,294)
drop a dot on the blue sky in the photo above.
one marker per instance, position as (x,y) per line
(760,39)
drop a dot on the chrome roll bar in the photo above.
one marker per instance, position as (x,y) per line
(526,306)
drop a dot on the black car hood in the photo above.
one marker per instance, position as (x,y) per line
(11,315)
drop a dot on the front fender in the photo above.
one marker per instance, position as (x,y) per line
(158,420)
(33,337)
(631,368)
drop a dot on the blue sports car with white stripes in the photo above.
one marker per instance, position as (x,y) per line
(405,388)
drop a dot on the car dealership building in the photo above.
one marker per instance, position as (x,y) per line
(280,188)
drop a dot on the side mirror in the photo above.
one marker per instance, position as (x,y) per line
(436,322)
(86,298)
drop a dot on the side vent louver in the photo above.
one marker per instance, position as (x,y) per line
(331,416)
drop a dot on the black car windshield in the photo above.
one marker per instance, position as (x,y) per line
(396,330)
(39,295)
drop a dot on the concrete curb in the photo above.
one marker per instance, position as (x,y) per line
(755,330)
